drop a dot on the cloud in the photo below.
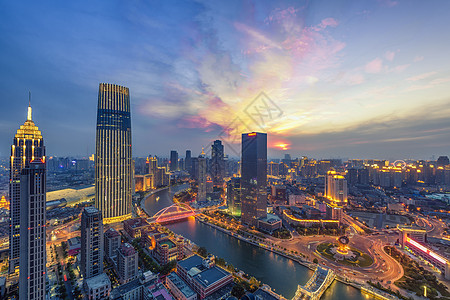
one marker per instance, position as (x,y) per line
(389,55)
(421,76)
(374,66)
(418,58)
(388,3)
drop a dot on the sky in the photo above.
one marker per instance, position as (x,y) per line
(325,79)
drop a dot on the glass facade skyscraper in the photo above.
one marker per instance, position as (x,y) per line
(33,256)
(113,162)
(253,177)
(217,162)
(28,145)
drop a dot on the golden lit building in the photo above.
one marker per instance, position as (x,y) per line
(4,203)
(27,146)
(113,161)
(336,188)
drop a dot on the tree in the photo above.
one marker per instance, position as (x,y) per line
(238,291)
(315,260)
(202,252)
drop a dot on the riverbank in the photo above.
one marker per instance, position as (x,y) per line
(312,266)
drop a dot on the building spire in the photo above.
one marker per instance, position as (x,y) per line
(29,107)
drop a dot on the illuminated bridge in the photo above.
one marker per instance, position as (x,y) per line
(174,213)
(316,286)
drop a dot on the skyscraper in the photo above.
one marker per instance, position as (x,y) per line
(201,195)
(28,145)
(173,160)
(336,188)
(253,177)
(217,162)
(188,161)
(91,242)
(127,263)
(113,162)
(33,257)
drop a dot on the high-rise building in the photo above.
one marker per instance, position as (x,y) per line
(112,243)
(201,195)
(127,263)
(188,161)
(28,145)
(253,177)
(33,257)
(173,160)
(234,195)
(113,162)
(217,162)
(336,188)
(91,242)
(194,168)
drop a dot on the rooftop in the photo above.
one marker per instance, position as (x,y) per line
(181,285)
(125,288)
(209,276)
(75,241)
(98,281)
(263,295)
(168,243)
(111,232)
(190,262)
(91,210)
(135,223)
(126,249)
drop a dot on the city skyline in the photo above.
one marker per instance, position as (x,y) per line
(363,80)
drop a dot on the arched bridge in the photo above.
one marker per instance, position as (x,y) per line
(316,286)
(173,213)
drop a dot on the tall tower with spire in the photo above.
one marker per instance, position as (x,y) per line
(27,146)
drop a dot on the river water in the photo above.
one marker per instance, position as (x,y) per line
(282,274)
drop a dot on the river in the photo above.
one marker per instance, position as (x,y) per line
(282,274)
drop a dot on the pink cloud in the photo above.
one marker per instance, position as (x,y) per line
(389,55)
(421,76)
(328,22)
(418,58)
(196,122)
(279,15)
(375,66)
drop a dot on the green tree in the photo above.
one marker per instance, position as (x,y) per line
(238,291)
(202,252)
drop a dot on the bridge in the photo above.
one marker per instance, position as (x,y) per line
(174,213)
(316,286)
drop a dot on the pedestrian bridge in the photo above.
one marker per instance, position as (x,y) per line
(174,213)
(316,286)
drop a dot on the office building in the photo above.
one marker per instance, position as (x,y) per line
(335,188)
(97,287)
(179,288)
(234,195)
(253,177)
(91,242)
(201,195)
(217,162)
(173,161)
(127,263)
(112,243)
(203,275)
(33,257)
(28,145)
(188,161)
(113,162)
